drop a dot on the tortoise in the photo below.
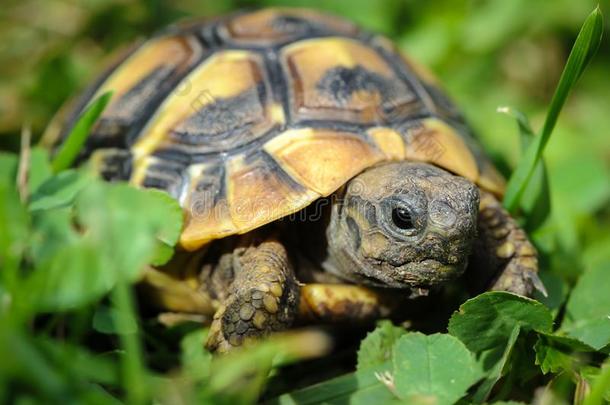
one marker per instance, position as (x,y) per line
(316,165)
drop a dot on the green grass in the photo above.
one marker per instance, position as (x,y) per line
(72,247)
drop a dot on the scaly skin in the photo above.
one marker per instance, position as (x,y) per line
(505,248)
(263,297)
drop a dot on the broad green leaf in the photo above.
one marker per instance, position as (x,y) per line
(79,363)
(426,366)
(361,387)
(195,359)
(591,374)
(40,168)
(118,232)
(74,142)
(59,190)
(486,321)
(587,316)
(169,234)
(106,320)
(125,223)
(240,376)
(593,331)
(557,291)
(75,275)
(495,363)
(585,47)
(556,353)
(600,387)
(23,361)
(376,347)
(53,230)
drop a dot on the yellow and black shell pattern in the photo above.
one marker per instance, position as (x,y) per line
(248,118)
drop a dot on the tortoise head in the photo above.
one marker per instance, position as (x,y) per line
(403,224)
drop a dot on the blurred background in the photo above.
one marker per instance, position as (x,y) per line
(487,53)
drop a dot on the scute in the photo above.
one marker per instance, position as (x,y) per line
(222,104)
(322,159)
(138,84)
(343,79)
(276,26)
(248,118)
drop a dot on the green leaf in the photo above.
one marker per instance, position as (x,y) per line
(593,331)
(240,376)
(426,367)
(74,276)
(40,168)
(557,291)
(376,347)
(118,231)
(486,321)
(361,387)
(79,363)
(600,387)
(587,316)
(169,234)
(59,190)
(494,363)
(556,353)
(196,361)
(74,142)
(108,320)
(53,231)
(584,49)
(591,375)
(125,223)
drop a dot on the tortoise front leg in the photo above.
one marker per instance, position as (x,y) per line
(504,252)
(262,297)
(344,303)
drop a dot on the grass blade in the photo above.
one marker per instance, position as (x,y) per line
(584,49)
(74,142)
(132,365)
(536,201)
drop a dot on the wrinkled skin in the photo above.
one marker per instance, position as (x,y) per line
(403,225)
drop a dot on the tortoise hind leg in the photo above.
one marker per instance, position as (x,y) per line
(504,250)
(262,298)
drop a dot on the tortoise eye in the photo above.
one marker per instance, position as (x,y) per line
(401,217)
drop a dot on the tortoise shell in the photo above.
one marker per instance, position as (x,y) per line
(251,117)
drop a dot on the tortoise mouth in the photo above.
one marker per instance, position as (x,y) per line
(423,274)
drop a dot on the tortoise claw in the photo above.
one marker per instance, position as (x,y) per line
(537,283)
